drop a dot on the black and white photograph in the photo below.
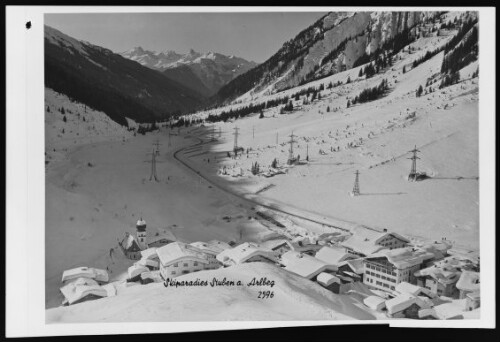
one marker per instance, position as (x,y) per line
(316,164)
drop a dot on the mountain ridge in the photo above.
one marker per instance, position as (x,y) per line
(212,69)
(112,84)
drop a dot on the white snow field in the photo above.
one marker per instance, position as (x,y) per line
(295,298)
(443,125)
(97,186)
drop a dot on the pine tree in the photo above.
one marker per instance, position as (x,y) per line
(64,118)
(62,110)
(261,116)
(348,80)
(404,69)
(360,72)
(274,164)
(348,103)
(328,109)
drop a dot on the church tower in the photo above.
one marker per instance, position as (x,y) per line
(141,234)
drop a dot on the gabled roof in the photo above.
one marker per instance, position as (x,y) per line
(469,281)
(135,270)
(356,265)
(147,262)
(333,255)
(85,272)
(275,244)
(374,302)
(404,301)
(403,258)
(327,279)
(362,245)
(149,253)
(243,252)
(130,244)
(305,265)
(213,247)
(405,287)
(164,234)
(75,291)
(451,310)
(176,251)
(443,272)
(366,241)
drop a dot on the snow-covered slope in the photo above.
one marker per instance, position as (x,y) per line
(294,298)
(336,42)
(374,138)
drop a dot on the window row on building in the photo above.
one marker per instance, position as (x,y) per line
(381,276)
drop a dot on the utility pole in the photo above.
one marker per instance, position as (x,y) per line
(307,152)
(236,129)
(355,189)
(413,171)
(291,158)
(220,132)
(213,133)
(153,166)
(157,144)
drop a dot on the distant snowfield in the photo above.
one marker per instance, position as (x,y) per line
(294,298)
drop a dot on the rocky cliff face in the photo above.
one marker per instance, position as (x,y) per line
(334,43)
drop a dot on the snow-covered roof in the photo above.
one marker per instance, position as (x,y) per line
(444,273)
(403,258)
(110,289)
(154,275)
(357,265)
(220,244)
(243,252)
(469,281)
(405,287)
(149,253)
(141,222)
(75,291)
(366,241)
(147,262)
(399,303)
(374,302)
(474,295)
(451,310)
(130,244)
(333,255)
(275,244)
(135,270)
(164,234)
(305,265)
(176,251)
(212,247)
(327,279)
(85,272)
(362,245)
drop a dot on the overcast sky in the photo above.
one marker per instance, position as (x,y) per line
(253,36)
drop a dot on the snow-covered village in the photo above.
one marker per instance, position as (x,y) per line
(335,179)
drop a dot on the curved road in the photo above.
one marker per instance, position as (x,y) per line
(253,201)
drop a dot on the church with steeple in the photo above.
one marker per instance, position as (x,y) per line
(132,245)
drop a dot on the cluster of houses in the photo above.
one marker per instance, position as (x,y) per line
(404,279)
